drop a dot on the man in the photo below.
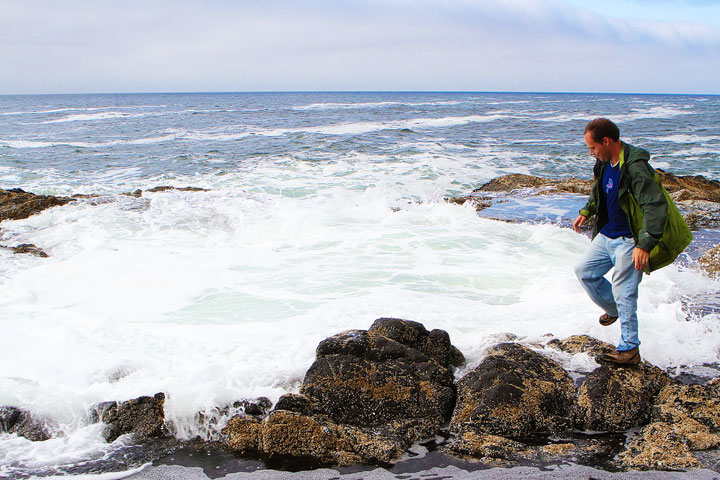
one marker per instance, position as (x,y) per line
(637,229)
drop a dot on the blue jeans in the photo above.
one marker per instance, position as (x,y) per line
(618,299)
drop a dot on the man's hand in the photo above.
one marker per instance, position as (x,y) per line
(640,258)
(579,221)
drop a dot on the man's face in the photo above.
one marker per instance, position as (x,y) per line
(599,150)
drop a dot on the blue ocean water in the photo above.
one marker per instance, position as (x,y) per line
(323,212)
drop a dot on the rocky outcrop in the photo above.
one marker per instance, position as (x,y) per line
(367,397)
(710,261)
(29,248)
(16,204)
(614,399)
(514,392)
(143,417)
(539,185)
(694,410)
(690,187)
(366,379)
(22,423)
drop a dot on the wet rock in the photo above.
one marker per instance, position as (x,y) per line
(16,204)
(293,402)
(164,188)
(710,261)
(483,445)
(701,403)
(435,344)
(614,399)
(284,433)
(143,417)
(658,447)
(690,187)
(582,344)
(31,249)
(517,181)
(22,423)
(477,201)
(514,392)
(365,379)
(703,214)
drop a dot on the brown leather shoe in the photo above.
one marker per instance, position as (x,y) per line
(606,319)
(626,358)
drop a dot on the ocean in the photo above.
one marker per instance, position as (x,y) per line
(323,212)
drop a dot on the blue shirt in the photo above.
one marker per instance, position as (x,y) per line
(618,224)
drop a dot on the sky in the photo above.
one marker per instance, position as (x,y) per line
(104,46)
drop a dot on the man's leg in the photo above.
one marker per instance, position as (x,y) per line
(591,269)
(625,282)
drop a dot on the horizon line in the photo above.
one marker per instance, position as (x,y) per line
(228,92)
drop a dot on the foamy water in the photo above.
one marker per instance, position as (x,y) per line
(329,223)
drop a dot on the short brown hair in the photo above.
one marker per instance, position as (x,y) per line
(601,128)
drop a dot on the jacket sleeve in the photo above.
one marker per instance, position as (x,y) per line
(652,202)
(589,209)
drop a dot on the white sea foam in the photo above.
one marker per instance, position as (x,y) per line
(636,114)
(81,109)
(361,105)
(86,117)
(693,139)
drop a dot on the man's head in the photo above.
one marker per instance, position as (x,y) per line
(603,139)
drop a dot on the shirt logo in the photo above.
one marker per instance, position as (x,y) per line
(609,186)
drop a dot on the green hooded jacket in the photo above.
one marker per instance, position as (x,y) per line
(657,225)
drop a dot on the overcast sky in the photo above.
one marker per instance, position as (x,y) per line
(85,46)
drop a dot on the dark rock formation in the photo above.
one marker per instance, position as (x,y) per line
(582,344)
(16,204)
(710,262)
(514,392)
(365,379)
(483,445)
(614,399)
(143,417)
(435,344)
(20,422)
(293,402)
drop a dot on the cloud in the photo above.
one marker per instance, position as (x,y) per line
(345,45)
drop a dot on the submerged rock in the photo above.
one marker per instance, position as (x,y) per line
(143,417)
(514,392)
(16,204)
(22,423)
(615,399)
(31,249)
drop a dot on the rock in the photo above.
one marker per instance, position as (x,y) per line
(16,204)
(514,392)
(703,214)
(165,188)
(20,422)
(143,417)
(293,402)
(435,344)
(479,202)
(658,447)
(675,403)
(30,249)
(365,379)
(614,399)
(582,344)
(693,187)
(517,181)
(481,445)
(710,262)
(284,433)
